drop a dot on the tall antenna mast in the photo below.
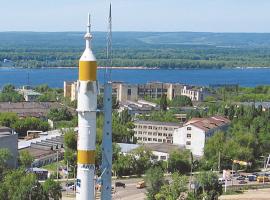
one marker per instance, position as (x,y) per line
(109,47)
(106,176)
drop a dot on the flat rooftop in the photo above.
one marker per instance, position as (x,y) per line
(5,131)
(157,123)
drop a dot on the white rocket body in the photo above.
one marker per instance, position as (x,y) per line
(87,106)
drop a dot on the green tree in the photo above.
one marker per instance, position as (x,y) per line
(53,189)
(5,155)
(25,159)
(58,114)
(179,101)
(70,139)
(123,166)
(172,191)
(141,160)
(154,179)
(18,185)
(210,188)
(163,102)
(179,161)
(8,119)
(8,88)
(213,147)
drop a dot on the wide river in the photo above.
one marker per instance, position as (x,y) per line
(55,77)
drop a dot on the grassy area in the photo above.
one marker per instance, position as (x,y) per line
(232,192)
(53,166)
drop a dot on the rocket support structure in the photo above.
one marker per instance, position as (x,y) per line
(86,108)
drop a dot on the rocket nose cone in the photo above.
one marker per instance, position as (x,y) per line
(88,56)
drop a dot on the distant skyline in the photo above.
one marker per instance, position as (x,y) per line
(136,15)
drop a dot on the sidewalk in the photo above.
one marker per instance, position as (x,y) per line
(260,194)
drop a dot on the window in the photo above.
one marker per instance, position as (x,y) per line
(163,157)
(154,157)
(159,134)
(170,135)
(149,139)
(155,134)
(164,134)
(144,139)
(165,128)
(155,139)
(149,133)
(159,140)
(188,143)
(189,128)
(139,132)
(149,127)
(129,92)
(188,135)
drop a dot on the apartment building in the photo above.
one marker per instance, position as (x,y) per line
(154,132)
(134,92)
(195,94)
(194,133)
(125,92)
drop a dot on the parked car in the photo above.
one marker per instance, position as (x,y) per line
(120,184)
(252,177)
(262,179)
(72,187)
(221,181)
(240,178)
(140,185)
(242,182)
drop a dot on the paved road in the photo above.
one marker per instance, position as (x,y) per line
(130,192)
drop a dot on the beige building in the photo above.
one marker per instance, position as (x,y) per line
(156,90)
(70,90)
(134,92)
(125,92)
(154,132)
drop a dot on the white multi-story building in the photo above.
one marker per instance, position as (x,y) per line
(195,94)
(195,132)
(154,132)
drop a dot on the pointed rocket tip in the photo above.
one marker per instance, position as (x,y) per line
(110,9)
(89,18)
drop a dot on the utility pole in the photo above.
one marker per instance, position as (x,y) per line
(219,161)
(57,164)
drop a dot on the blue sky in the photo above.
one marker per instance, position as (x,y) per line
(136,15)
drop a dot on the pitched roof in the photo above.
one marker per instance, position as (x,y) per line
(207,124)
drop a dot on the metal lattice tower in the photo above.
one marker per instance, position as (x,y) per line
(106,176)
